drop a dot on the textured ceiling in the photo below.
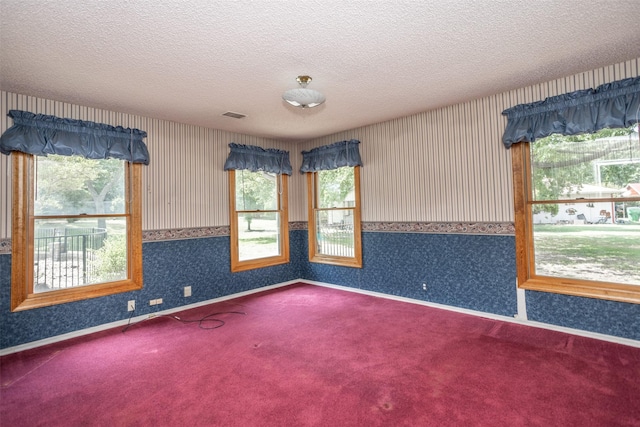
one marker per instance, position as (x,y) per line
(191,61)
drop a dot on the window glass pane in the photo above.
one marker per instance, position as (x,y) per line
(599,165)
(78,251)
(73,185)
(581,243)
(256,191)
(336,188)
(335,235)
(604,212)
(258,235)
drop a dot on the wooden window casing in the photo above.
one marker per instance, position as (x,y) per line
(315,254)
(525,263)
(23,296)
(283,214)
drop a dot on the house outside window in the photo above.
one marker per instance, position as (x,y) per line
(578,214)
(334,216)
(575,160)
(333,203)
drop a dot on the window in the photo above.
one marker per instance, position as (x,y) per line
(77,229)
(577,202)
(334,216)
(258,218)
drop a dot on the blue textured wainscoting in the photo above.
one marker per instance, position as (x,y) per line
(467,271)
(169,266)
(589,314)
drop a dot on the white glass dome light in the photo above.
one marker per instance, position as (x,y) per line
(303,97)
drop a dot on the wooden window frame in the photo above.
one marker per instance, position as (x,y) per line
(527,279)
(312,203)
(283,211)
(22,295)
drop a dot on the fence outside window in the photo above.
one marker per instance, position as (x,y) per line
(64,260)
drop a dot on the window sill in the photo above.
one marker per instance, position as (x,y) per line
(340,261)
(258,263)
(585,288)
(46,299)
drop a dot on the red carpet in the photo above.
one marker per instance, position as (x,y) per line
(311,356)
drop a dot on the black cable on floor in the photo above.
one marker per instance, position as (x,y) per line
(128,322)
(207,319)
(201,324)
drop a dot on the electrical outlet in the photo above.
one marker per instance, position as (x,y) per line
(424,286)
(187,291)
(159,301)
(152,302)
(131,305)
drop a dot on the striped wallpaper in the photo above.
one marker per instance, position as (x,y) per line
(445,165)
(184,185)
(449,164)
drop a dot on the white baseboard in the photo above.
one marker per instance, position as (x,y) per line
(136,319)
(521,320)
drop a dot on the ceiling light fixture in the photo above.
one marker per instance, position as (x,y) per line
(303,97)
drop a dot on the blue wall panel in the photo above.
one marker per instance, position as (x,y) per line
(168,266)
(468,271)
(589,314)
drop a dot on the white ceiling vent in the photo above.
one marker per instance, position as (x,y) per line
(234,115)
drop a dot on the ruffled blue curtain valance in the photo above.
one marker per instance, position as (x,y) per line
(258,159)
(333,156)
(41,135)
(611,105)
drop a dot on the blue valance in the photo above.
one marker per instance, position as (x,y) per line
(258,159)
(611,105)
(41,135)
(333,156)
